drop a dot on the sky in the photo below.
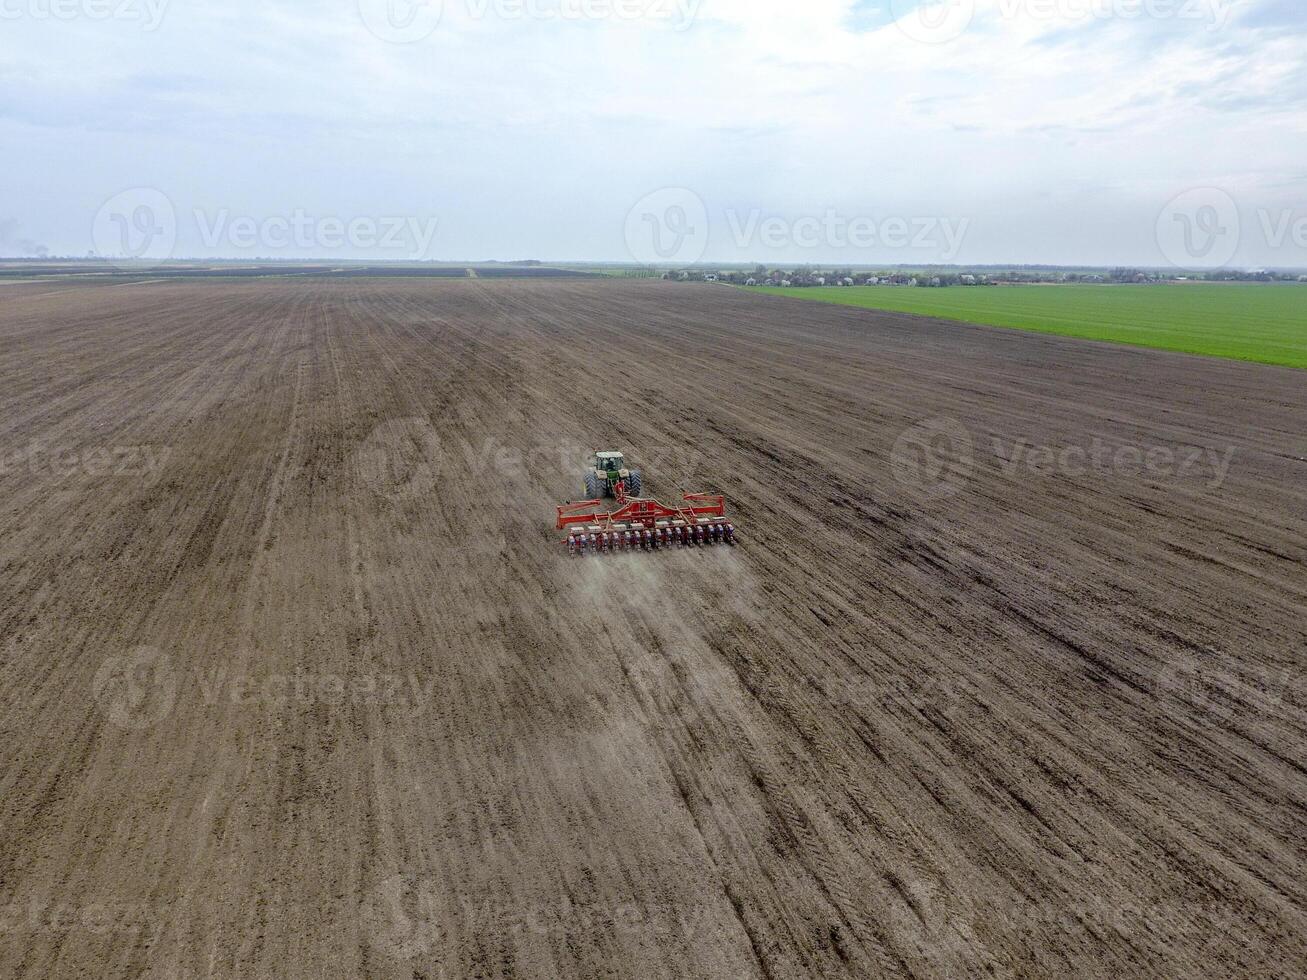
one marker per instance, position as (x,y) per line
(1061,132)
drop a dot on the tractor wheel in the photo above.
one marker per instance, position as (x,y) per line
(633,484)
(592,489)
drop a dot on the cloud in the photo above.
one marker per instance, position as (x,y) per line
(536,134)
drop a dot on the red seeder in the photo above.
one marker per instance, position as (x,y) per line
(645,525)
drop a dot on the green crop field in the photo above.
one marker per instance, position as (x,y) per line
(1249,321)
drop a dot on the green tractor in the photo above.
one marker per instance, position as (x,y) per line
(609,470)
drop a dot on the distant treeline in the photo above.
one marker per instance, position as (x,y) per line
(808,276)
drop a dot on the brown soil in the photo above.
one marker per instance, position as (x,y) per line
(296,679)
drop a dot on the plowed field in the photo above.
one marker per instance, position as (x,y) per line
(1004,678)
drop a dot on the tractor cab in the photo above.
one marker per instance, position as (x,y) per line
(611,464)
(609,475)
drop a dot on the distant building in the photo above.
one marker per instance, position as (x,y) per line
(785,283)
(846,281)
(968,280)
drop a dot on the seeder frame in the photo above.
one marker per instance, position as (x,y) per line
(645,524)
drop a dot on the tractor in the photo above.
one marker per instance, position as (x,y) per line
(608,471)
(639,523)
